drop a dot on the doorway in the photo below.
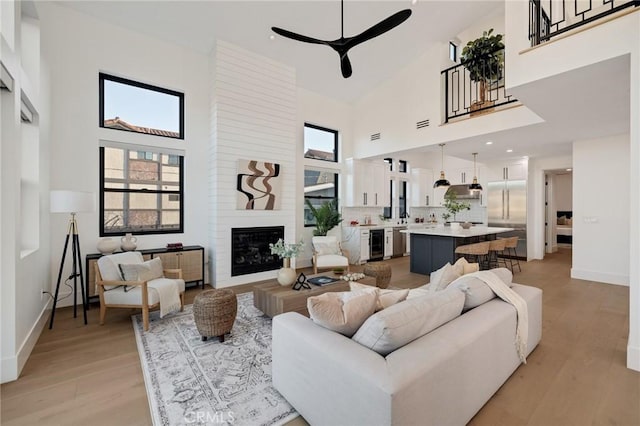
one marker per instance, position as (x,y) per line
(558,210)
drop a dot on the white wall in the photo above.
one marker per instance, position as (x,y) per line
(317,109)
(563,192)
(253,118)
(77,47)
(24,217)
(601,210)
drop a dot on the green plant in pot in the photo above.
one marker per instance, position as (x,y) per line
(453,206)
(327,217)
(484,59)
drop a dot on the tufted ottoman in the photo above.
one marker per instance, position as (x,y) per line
(214,312)
(379,270)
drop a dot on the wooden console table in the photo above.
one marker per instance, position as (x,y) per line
(190,259)
(273,298)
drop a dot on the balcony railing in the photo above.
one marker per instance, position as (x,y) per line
(466,97)
(550,18)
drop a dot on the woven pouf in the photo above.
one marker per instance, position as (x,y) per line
(380,271)
(214,312)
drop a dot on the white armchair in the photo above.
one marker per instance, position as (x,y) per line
(327,254)
(118,293)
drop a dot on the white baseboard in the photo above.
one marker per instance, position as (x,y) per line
(603,277)
(12,366)
(633,358)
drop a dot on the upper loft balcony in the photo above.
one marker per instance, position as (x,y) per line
(551,18)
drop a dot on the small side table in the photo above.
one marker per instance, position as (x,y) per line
(214,312)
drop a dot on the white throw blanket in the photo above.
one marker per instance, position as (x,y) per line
(168,293)
(508,295)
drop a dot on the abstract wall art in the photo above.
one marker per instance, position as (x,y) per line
(259,185)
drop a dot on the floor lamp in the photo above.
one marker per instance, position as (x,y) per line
(72,202)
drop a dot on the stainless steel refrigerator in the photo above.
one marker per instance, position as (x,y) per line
(507,208)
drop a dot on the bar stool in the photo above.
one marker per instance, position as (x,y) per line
(496,247)
(510,246)
(479,252)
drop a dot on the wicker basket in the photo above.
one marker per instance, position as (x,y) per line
(214,312)
(380,271)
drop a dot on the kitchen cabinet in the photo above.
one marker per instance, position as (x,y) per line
(367,184)
(438,196)
(512,171)
(462,176)
(364,245)
(388,243)
(421,187)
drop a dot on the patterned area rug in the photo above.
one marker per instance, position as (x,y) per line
(191,382)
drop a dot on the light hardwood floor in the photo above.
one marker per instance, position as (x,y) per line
(79,375)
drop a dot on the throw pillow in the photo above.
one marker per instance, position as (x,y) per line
(476,292)
(562,220)
(146,271)
(343,312)
(441,278)
(419,291)
(386,297)
(463,267)
(324,249)
(394,327)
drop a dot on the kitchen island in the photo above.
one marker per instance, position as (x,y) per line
(432,248)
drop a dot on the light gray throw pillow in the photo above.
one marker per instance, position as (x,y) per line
(476,291)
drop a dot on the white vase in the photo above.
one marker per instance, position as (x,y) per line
(286,275)
(455,226)
(128,242)
(107,245)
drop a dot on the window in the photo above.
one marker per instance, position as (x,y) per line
(402,199)
(388,211)
(402,166)
(141,191)
(319,187)
(453,51)
(320,143)
(389,161)
(142,108)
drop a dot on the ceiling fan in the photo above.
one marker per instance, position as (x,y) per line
(342,45)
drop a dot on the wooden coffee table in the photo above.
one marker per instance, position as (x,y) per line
(273,298)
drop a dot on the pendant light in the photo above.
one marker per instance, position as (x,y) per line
(442,182)
(475,186)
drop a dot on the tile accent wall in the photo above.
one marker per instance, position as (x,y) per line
(359,213)
(253,118)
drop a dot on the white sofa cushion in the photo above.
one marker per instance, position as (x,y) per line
(394,327)
(476,291)
(343,312)
(332,260)
(133,295)
(386,297)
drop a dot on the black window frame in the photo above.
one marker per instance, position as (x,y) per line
(453,46)
(389,161)
(316,197)
(402,166)
(387,211)
(335,142)
(180,193)
(402,200)
(104,76)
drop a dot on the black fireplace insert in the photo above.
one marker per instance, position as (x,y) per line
(250,251)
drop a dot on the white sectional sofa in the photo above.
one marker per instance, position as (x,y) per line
(441,378)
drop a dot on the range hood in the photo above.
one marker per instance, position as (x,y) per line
(463,192)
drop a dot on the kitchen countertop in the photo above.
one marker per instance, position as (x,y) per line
(446,231)
(382,226)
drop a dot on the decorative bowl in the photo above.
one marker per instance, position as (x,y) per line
(338,271)
(466,225)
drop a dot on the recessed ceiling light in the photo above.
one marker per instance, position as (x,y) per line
(272,37)
(509,150)
(569,170)
(413,2)
(489,143)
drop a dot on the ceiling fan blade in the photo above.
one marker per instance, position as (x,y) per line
(345,65)
(379,28)
(297,37)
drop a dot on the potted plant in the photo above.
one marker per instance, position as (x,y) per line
(327,217)
(286,275)
(453,206)
(484,59)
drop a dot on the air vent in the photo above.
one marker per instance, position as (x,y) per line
(375,136)
(423,123)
